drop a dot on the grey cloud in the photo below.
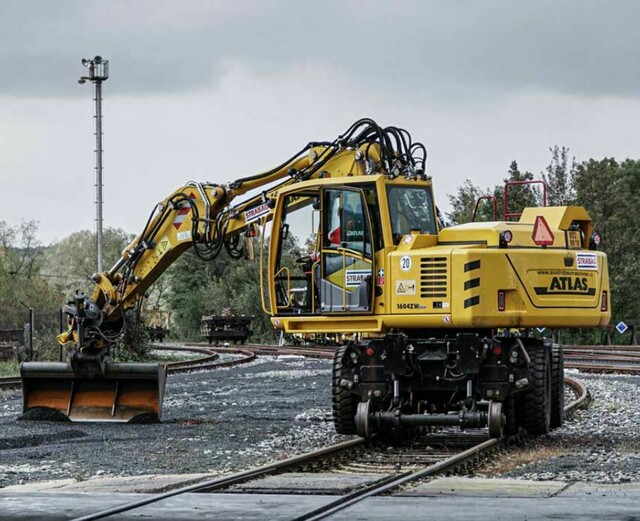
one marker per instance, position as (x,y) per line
(460,49)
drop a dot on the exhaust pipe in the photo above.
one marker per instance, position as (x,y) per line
(122,392)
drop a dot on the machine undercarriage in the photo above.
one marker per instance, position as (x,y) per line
(467,379)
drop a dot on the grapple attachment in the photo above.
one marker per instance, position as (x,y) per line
(120,393)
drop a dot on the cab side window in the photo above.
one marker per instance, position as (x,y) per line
(345,224)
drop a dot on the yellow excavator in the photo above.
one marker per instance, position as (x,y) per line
(436,320)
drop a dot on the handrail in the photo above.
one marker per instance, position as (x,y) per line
(495,206)
(508,214)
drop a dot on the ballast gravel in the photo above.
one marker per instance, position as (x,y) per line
(213,422)
(600,444)
(236,418)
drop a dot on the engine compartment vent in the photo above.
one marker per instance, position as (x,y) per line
(434,277)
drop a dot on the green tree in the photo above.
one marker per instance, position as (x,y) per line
(609,191)
(520,196)
(70,262)
(463,204)
(200,288)
(21,286)
(559,176)
(188,296)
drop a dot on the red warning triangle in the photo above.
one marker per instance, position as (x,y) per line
(542,234)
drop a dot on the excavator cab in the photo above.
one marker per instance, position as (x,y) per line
(337,271)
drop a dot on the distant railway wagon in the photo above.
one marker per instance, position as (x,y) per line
(158,324)
(10,340)
(225,328)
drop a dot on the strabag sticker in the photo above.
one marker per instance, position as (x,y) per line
(355,277)
(586,261)
(253,214)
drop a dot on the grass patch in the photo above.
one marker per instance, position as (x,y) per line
(517,457)
(9,368)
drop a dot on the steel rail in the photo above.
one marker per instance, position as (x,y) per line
(206,362)
(225,481)
(402,479)
(582,395)
(10,382)
(582,398)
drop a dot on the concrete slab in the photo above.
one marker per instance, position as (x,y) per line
(457,508)
(597,490)
(480,487)
(308,483)
(151,484)
(58,506)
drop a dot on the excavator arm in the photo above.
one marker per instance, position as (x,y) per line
(204,216)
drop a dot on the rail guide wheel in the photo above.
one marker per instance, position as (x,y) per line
(363,424)
(496,420)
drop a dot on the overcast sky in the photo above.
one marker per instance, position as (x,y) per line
(217,90)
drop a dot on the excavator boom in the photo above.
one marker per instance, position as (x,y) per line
(91,386)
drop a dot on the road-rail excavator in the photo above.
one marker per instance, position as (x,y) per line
(434,319)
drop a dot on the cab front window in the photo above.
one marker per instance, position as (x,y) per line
(410,208)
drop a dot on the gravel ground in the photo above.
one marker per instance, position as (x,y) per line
(599,445)
(213,421)
(231,419)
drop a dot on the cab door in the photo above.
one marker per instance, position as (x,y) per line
(346,268)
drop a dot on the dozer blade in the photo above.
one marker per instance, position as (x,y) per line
(125,391)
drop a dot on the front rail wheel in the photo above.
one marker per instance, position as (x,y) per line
(496,420)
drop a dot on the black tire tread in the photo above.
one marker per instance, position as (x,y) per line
(557,387)
(536,398)
(344,401)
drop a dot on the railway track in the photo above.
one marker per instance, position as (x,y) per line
(381,469)
(603,359)
(384,470)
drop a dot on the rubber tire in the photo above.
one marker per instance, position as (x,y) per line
(345,402)
(537,398)
(557,387)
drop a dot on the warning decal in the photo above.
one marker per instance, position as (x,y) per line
(542,234)
(181,214)
(405,287)
(162,246)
